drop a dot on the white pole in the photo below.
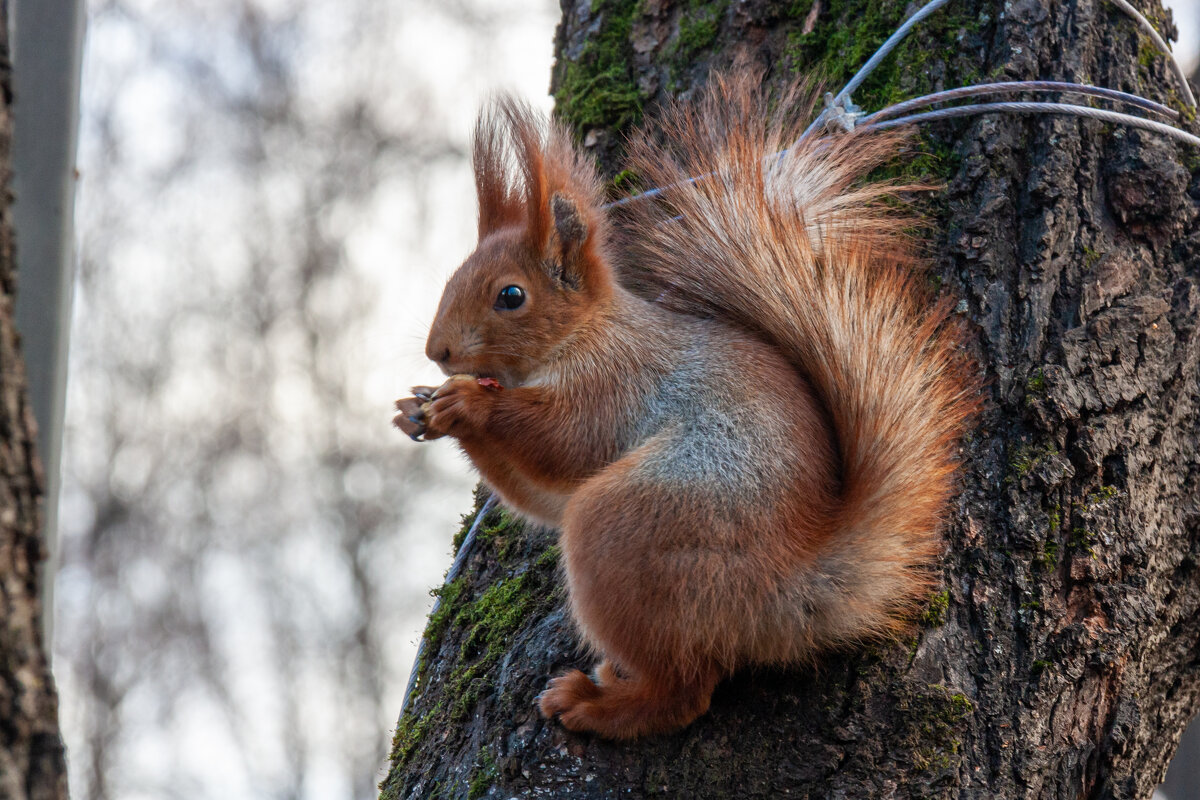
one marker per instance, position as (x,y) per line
(47,45)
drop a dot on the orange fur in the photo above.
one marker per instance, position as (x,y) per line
(750,470)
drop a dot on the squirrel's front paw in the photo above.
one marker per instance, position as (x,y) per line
(413,416)
(457,407)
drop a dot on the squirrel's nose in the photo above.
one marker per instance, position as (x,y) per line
(437,351)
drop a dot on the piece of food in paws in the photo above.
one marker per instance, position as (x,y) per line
(489,383)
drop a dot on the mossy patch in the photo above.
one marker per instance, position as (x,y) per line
(477,620)
(503,532)
(1147,52)
(1083,540)
(549,557)
(484,776)
(467,521)
(1191,159)
(481,496)
(937,717)
(489,623)
(699,25)
(447,601)
(846,34)
(599,88)
(1048,557)
(1024,458)
(1100,496)
(410,731)
(934,614)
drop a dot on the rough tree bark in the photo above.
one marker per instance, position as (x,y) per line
(1060,658)
(31,750)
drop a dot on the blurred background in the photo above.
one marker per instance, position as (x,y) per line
(271,195)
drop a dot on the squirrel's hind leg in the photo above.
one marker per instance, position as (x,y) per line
(661,580)
(627,707)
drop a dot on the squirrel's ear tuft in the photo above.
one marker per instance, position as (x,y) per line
(557,188)
(564,256)
(500,202)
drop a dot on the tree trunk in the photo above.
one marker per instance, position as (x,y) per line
(1060,658)
(31,751)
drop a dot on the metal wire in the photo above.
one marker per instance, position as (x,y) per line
(888,46)
(1043,108)
(841,105)
(646,195)
(464,552)
(841,97)
(1018,86)
(1145,25)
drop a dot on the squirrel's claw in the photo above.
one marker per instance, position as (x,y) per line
(412,419)
(422,392)
(415,411)
(566,692)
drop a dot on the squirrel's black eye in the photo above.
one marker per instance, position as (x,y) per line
(510,297)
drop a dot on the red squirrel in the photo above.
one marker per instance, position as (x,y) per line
(747,458)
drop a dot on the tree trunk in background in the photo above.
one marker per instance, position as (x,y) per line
(1061,657)
(31,751)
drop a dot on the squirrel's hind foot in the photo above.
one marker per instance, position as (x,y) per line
(566,692)
(625,708)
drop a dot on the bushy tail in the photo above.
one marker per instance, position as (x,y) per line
(795,248)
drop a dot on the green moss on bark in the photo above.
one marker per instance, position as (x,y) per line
(484,776)
(937,719)
(488,622)
(698,28)
(599,88)
(1026,457)
(478,619)
(848,33)
(410,731)
(844,37)
(935,614)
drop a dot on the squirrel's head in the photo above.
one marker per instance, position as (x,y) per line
(538,272)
